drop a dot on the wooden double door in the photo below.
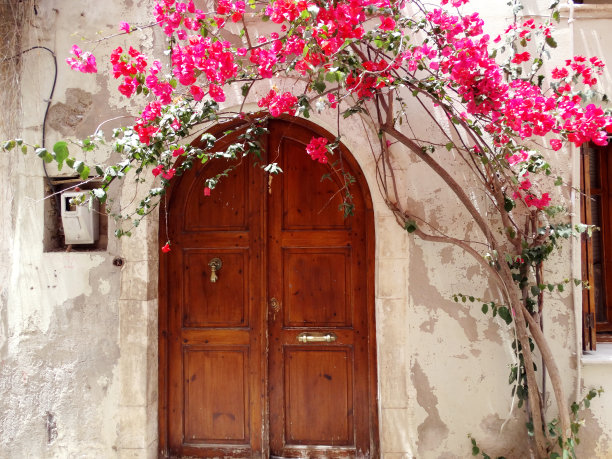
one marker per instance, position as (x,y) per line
(266,316)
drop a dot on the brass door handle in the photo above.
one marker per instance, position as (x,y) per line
(317,337)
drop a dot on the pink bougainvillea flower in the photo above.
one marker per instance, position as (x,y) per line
(216,93)
(178,152)
(521,57)
(317,150)
(168,174)
(539,203)
(517,157)
(82,62)
(525,185)
(125,27)
(128,87)
(333,102)
(279,104)
(166,248)
(559,73)
(157,170)
(556,144)
(196,92)
(206,191)
(387,23)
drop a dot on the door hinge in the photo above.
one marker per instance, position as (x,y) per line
(590,320)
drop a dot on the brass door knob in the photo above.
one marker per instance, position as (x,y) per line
(215,265)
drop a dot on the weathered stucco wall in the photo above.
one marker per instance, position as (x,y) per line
(78,335)
(64,343)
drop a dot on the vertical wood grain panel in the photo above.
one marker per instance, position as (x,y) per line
(216,395)
(216,304)
(319,395)
(317,287)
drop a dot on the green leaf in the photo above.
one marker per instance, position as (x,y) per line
(559,181)
(449,146)
(410,226)
(575,407)
(508,204)
(43,154)
(550,41)
(485,308)
(319,86)
(84,173)
(9,145)
(61,153)
(245,89)
(77,165)
(504,313)
(535,290)
(475,450)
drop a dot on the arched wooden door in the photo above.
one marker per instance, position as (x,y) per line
(273,355)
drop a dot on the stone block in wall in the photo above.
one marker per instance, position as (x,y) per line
(393,352)
(392,278)
(391,238)
(132,428)
(396,432)
(139,280)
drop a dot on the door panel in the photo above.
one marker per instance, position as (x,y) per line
(221,303)
(328,303)
(241,381)
(214,388)
(225,209)
(319,395)
(313,202)
(215,411)
(319,400)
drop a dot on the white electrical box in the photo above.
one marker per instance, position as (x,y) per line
(81,223)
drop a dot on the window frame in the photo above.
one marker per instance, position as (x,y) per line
(594,330)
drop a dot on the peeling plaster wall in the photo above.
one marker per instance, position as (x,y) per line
(64,340)
(78,336)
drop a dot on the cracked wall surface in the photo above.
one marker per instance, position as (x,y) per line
(78,335)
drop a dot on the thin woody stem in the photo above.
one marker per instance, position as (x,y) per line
(450,181)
